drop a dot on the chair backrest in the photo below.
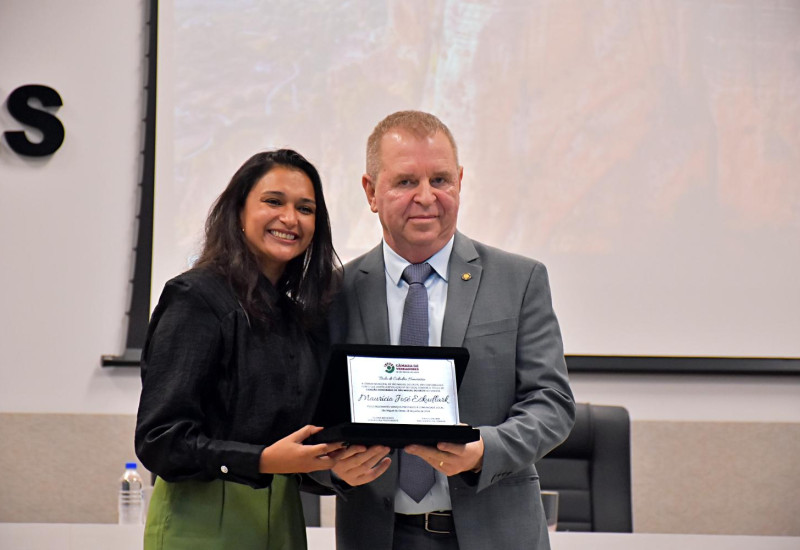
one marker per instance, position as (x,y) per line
(591,471)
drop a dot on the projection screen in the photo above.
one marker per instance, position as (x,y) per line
(647,152)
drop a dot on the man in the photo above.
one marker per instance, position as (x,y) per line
(485,494)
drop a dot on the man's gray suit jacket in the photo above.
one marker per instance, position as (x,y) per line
(515,390)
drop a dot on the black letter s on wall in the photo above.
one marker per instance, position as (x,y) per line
(49,125)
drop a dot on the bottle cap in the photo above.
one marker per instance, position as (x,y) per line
(130,465)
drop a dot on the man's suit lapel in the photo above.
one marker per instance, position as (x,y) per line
(464,277)
(370,287)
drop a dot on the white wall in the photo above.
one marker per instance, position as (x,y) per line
(68,220)
(694,397)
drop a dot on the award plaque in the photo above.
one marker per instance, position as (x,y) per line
(392,395)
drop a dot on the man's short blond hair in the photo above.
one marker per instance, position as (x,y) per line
(418,123)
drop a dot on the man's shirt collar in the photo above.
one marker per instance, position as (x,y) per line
(395,264)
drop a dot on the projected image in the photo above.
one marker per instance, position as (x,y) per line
(646,152)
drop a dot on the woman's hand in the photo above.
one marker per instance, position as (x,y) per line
(289,455)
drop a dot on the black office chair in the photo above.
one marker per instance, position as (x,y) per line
(591,471)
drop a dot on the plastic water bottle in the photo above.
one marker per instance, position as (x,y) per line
(131,496)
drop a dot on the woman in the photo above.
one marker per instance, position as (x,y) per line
(230,368)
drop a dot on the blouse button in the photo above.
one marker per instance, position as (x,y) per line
(223,469)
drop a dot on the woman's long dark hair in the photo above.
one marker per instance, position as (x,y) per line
(307,279)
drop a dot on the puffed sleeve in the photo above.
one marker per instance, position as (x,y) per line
(181,373)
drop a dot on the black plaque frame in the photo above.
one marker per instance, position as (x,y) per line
(333,409)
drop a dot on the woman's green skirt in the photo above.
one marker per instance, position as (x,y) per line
(217,515)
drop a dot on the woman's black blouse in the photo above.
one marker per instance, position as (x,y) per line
(215,390)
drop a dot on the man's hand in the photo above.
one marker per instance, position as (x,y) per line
(451,458)
(357,464)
